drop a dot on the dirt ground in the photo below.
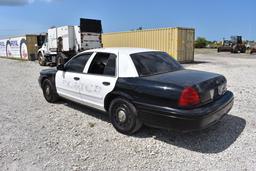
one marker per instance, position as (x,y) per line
(36,135)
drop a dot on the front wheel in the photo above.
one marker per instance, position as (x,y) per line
(41,59)
(243,50)
(49,94)
(123,116)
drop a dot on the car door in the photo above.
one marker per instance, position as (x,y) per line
(100,79)
(68,81)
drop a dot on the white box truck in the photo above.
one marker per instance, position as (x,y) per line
(64,42)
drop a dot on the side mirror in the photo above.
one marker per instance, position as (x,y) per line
(61,67)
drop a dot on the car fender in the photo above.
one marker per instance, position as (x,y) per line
(48,74)
(110,96)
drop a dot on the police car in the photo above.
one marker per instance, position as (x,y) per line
(140,86)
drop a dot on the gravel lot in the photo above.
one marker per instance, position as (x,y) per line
(36,135)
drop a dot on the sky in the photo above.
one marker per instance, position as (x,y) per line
(212,19)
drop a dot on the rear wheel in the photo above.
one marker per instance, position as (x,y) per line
(243,50)
(41,59)
(49,94)
(123,116)
(234,49)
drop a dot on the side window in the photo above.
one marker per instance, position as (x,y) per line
(78,63)
(103,64)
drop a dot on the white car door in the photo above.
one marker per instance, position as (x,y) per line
(68,82)
(99,80)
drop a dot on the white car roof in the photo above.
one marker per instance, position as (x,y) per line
(126,67)
(125,50)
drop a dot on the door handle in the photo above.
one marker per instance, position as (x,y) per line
(106,83)
(76,78)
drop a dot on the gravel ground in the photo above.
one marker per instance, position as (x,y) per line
(36,135)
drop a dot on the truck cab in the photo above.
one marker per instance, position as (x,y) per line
(62,43)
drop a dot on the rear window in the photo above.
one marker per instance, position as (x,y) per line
(151,63)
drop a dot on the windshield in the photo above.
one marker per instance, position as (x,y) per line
(151,63)
(226,43)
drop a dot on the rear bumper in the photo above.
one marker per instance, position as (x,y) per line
(185,120)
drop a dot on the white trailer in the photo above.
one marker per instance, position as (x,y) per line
(20,47)
(67,41)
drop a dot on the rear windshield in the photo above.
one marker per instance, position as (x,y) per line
(151,63)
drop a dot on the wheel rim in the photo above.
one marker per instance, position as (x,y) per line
(40,59)
(122,118)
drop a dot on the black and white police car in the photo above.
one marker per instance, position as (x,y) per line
(140,86)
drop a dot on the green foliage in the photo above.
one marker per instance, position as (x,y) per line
(201,42)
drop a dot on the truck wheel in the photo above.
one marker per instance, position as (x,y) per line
(243,50)
(123,116)
(41,59)
(49,94)
(234,49)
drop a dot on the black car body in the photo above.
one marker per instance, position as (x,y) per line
(163,94)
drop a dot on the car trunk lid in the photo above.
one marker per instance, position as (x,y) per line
(210,86)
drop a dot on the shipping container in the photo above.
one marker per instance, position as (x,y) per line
(20,47)
(178,42)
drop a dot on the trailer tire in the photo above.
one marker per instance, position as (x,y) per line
(41,59)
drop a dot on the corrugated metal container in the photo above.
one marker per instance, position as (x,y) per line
(178,42)
(32,41)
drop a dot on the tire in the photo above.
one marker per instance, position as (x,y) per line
(41,59)
(243,50)
(234,49)
(49,93)
(123,116)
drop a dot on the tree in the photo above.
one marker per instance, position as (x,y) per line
(201,42)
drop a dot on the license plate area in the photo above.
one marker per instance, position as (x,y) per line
(212,92)
(222,89)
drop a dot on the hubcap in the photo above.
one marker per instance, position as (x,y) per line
(121,116)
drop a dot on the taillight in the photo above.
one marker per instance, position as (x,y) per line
(189,97)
